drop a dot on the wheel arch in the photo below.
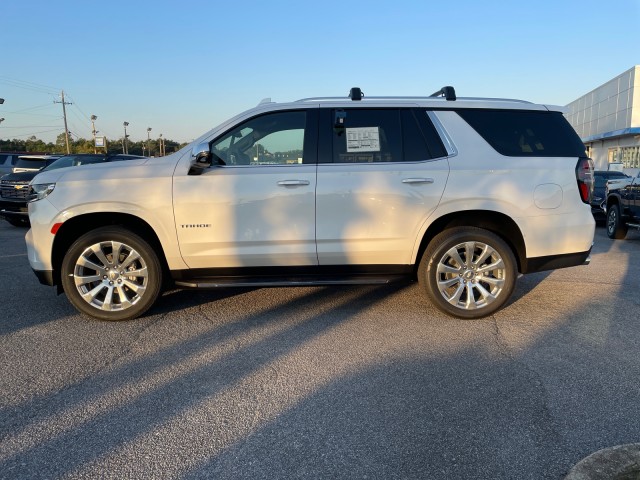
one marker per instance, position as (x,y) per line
(613,199)
(499,223)
(75,227)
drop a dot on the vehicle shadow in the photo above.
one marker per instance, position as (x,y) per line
(272,334)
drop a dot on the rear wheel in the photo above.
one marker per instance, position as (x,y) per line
(615,228)
(112,274)
(468,272)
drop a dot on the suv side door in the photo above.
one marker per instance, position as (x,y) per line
(256,208)
(381,174)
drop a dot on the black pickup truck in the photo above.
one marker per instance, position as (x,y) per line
(623,206)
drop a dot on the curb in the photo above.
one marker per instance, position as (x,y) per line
(621,462)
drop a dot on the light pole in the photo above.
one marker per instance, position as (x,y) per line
(93,130)
(1,102)
(125,145)
(148,141)
(160,145)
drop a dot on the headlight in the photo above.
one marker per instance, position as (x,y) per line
(40,191)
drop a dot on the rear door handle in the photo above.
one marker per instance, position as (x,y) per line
(417,180)
(288,183)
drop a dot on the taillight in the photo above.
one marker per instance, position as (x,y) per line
(584,176)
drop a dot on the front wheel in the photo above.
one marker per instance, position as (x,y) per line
(112,274)
(615,228)
(468,272)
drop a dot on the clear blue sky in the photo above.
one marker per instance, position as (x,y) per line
(183,67)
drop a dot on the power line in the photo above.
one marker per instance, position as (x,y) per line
(35,133)
(27,85)
(37,107)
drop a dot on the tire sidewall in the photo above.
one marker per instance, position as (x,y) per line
(441,243)
(129,238)
(615,229)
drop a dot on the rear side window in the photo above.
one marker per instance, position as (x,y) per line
(384,135)
(522,133)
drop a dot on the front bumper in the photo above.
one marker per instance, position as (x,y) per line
(14,209)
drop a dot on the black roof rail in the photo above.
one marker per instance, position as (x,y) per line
(448,92)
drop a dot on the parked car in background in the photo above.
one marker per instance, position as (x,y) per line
(8,160)
(623,207)
(33,163)
(14,187)
(601,177)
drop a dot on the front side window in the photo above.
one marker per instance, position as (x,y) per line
(271,139)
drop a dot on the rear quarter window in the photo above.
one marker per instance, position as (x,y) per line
(523,133)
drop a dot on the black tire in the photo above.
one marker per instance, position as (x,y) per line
(107,288)
(616,229)
(472,287)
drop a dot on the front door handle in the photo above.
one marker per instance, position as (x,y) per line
(417,180)
(288,183)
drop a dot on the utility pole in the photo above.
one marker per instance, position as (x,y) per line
(64,113)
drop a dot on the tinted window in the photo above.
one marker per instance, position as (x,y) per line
(26,163)
(421,141)
(367,135)
(383,135)
(520,133)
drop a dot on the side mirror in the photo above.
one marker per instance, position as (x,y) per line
(201,158)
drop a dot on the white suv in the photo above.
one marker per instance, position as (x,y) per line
(461,193)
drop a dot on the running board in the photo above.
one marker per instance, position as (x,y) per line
(275,282)
(634,225)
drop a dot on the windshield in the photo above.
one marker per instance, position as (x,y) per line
(35,163)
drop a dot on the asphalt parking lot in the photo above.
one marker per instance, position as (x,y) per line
(358,382)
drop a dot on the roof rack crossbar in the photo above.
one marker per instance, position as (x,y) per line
(447,92)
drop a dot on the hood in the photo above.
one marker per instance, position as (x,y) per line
(106,171)
(19,177)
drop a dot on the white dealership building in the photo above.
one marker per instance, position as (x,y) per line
(607,120)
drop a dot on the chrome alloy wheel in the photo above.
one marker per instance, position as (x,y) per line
(612,222)
(471,275)
(110,276)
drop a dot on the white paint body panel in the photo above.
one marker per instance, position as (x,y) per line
(242,216)
(367,215)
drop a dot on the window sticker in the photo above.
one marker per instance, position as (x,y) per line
(363,139)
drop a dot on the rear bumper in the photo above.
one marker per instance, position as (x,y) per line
(45,277)
(552,262)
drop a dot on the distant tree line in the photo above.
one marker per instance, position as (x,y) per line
(82,145)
